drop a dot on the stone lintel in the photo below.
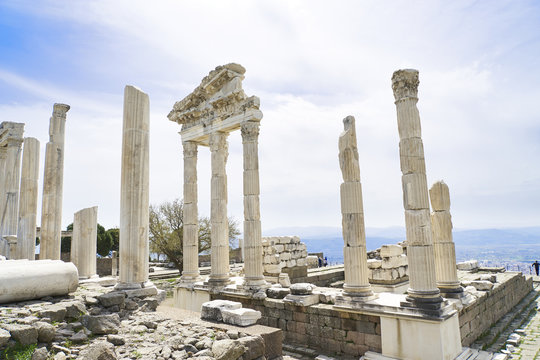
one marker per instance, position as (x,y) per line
(200,133)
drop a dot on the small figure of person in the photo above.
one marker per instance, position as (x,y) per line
(325,263)
(320,261)
(536,266)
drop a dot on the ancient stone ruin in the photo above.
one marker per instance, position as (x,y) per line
(402,301)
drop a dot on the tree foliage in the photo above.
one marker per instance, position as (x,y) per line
(166,231)
(105,240)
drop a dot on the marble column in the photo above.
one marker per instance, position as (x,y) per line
(53,182)
(4,247)
(354,235)
(252,247)
(28,200)
(423,291)
(443,244)
(84,242)
(134,200)
(12,171)
(190,272)
(219,231)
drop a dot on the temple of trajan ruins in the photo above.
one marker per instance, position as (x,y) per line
(402,301)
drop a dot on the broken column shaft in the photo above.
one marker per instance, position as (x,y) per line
(53,180)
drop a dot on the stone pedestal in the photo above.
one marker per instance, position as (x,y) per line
(11,139)
(252,243)
(26,233)
(190,272)
(134,201)
(355,257)
(53,181)
(405,338)
(219,232)
(443,244)
(423,291)
(84,242)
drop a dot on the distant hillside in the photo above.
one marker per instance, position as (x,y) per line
(491,245)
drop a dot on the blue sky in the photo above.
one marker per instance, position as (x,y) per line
(312,63)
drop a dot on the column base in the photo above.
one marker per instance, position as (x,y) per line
(217,282)
(190,277)
(359,291)
(255,284)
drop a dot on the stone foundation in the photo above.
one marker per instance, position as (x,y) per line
(318,326)
(492,305)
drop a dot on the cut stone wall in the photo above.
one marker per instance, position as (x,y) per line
(318,326)
(492,305)
(388,265)
(284,254)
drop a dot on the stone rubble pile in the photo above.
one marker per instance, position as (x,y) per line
(282,252)
(388,265)
(96,323)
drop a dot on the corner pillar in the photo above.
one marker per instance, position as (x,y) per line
(252,242)
(423,291)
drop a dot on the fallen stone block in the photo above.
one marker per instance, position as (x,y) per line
(4,337)
(391,250)
(482,285)
(211,310)
(470,265)
(302,289)
(254,347)
(102,324)
(240,317)
(227,349)
(112,298)
(277,293)
(25,334)
(302,300)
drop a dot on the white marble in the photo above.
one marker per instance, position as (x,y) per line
(134,196)
(84,242)
(28,200)
(53,181)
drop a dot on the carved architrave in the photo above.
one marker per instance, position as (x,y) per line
(217,104)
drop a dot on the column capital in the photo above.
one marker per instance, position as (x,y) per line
(405,84)
(190,148)
(60,110)
(218,141)
(17,142)
(250,131)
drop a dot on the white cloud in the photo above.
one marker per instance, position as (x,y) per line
(311,64)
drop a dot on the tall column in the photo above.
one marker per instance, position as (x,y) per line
(26,234)
(190,272)
(53,182)
(134,201)
(12,172)
(253,260)
(354,235)
(219,225)
(423,291)
(443,244)
(4,247)
(84,242)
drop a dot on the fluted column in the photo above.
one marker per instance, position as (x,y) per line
(219,232)
(253,261)
(190,272)
(134,196)
(443,244)
(53,181)
(354,236)
(12,171)
(84,242)
(423,287)
(4,247)
(28,200)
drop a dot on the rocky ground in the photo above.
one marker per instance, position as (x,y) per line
(98,323)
